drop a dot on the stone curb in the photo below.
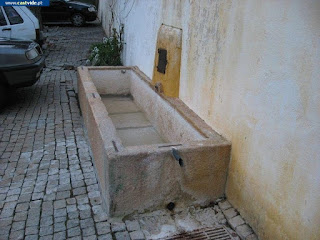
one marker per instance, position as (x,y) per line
(236,222)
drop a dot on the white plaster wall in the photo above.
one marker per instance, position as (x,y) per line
(141,27)
(141,20)
(251,70)
(103,14)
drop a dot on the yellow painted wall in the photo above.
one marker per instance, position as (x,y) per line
(251,70)
(169,39)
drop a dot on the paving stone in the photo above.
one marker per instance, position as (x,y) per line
(46,230)
(49,197)
(99,217)
(84,207)
(60,219)
(118,226)
(132,225)
(94,187)
(2,197)
(46,221)
(75,214)
(60,212)
(94,194)
(47,205)
(137,235)
(86,223)
(236,221)
(17,226)
(71,208)
(92,237)
(16,235)
(75,238)
(72,223)
(12,198)
(72,232)
(59,236)
(63,195)
(47,237)
(77,184)
(230,213)
(14,191)
(244,231)
(31,230)
(5,222)
(104,228)
(71,201)
(79,191)
(22,207)
(85,213)
(122,236)
(20,216)
(5,213)
(4,233)
(88,231)
(33,220)
(60,226)
(10,205)
(82,199)
(224,205)
(36,196)
(97,209)
(64,187)
(252,237)
(60,204)
(105,237)
(31,237)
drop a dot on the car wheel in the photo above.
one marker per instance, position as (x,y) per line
(78,20)
(3,96)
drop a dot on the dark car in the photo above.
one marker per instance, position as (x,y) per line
(21,63)
(64,10)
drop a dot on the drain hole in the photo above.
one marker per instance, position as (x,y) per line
(177,156)
(181,162)
(170,206)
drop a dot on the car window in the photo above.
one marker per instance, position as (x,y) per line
(3,21)
(13,15)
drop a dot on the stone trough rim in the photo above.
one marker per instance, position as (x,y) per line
(212,138)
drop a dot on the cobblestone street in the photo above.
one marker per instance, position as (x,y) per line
(48,186)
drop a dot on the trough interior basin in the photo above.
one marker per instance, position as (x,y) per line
(139,114)
(131,122)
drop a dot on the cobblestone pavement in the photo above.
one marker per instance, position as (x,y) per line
(48,187)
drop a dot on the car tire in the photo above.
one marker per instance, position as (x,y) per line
(78,20)
(3,96)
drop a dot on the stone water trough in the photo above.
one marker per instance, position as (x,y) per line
(150,151)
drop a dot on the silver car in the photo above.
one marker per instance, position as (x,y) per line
(21,63)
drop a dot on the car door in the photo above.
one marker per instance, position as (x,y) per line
(21,26)
(56,12)
(5,29)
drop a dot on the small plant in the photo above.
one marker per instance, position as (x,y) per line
(107,53)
